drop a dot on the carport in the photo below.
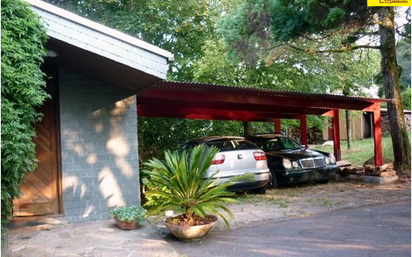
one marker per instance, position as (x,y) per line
(216,102)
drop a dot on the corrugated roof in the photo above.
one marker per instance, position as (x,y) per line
(208,101)
(256,91)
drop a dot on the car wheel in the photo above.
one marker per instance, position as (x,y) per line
(260,190)
(273,182)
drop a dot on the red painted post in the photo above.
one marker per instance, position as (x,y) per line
(277,126)
(303,130)
(336,135)
(377,139)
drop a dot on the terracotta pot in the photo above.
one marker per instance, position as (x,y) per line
(126,225)
(190,233)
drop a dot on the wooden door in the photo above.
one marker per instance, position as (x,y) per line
(40,189)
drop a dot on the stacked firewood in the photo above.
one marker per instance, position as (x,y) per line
(385,170)
(351,170)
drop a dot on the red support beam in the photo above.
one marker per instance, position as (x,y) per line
(336,135)
(377,131)
(304,130)
(277,126)
(208,114)
(165,103)
(377,138)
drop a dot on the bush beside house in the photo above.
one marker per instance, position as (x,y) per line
(22,90)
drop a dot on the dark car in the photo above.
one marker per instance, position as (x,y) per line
(290,162)
(236,156)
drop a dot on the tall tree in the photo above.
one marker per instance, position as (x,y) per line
(400,140)
(258,26)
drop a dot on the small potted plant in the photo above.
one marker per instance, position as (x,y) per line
(181,185)
(129,217)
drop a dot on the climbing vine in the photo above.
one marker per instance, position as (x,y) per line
(23,40)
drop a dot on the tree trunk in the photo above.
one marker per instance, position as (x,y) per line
(400,139)
(247,129)
(348,128)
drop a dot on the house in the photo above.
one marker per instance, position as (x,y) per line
(87,143)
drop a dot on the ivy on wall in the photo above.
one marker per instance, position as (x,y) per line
(23,39)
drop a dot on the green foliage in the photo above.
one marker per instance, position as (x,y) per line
(129,213)
(250,39)
(335,14)
(22,89)
(288,69)
(179,27)
(308,17)
(406,99)
(179,184)
(403,54)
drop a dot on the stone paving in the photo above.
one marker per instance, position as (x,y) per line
(103,238)
(89,239)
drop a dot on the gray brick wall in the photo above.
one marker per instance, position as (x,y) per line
(100,167)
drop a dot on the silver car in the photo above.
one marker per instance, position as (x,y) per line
(236,156)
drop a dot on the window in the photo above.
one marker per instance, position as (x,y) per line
(277,144)
(189,146)
(225,145)
(289,143)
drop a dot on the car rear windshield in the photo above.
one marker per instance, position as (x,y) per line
(277,144)
(225,145)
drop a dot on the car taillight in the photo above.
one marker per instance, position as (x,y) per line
(219,159)
(259,156)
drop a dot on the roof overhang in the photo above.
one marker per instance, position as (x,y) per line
(80,44)
(213,102)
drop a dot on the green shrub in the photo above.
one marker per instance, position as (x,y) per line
(179,185)
(22,89)
(129,213)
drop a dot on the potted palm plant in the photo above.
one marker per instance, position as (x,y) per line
(180,184)
(129,217)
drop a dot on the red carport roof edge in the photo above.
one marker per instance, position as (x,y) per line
(208,101)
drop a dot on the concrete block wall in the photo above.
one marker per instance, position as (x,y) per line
(99,147)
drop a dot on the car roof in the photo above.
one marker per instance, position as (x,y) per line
(267,136)
(212,138)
